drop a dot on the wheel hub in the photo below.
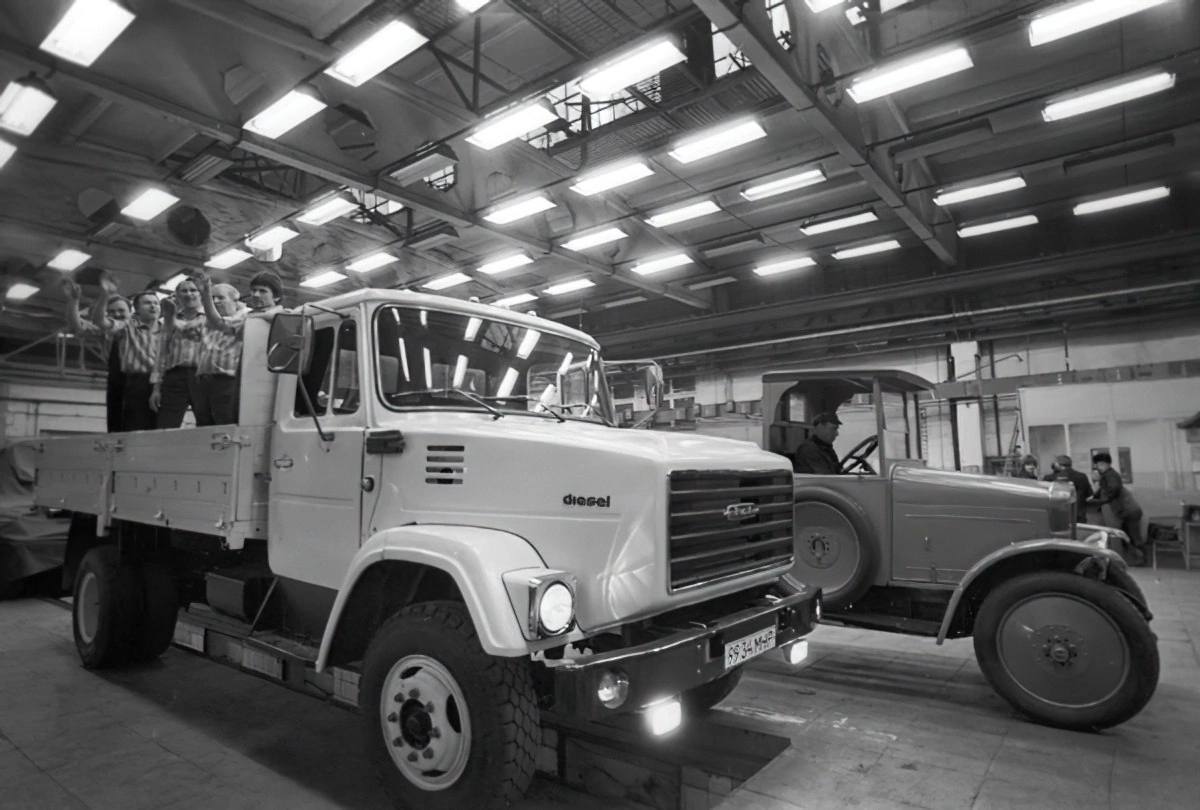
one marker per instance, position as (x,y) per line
(415,724)
(1058,647)
(424,722)
(819,548)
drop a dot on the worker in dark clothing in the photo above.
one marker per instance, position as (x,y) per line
(1063,471)
(1126,513)
(1029,468)
(815,455)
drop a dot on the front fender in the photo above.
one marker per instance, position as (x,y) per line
(1008,552)
(476,558)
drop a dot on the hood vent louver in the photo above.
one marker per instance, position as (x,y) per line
(445,463)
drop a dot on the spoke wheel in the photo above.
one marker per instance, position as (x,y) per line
(1066,650)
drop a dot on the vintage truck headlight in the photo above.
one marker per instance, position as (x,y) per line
(612,689)
(555,608)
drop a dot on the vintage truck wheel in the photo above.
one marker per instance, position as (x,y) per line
(835,548)
(447,726)
(161,608)
(106,614)
(1067,651)
(707,695)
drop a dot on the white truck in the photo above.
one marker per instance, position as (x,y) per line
(425,509)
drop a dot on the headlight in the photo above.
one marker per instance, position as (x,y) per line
(613,688)
(555,608)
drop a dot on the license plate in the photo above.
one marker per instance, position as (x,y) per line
(747,647)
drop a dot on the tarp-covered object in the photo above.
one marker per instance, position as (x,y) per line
(31,542)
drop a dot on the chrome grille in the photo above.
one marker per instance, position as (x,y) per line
(711,537)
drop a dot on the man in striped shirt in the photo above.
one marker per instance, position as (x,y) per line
(220,358)
(174,376)
(117,308)
(137,345)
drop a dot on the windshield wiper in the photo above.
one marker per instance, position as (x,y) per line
(496,412)
(527,399)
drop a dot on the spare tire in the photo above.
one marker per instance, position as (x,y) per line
(835,547)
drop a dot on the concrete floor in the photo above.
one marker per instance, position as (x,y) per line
(876,720)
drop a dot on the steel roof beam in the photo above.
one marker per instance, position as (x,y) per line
(748,27)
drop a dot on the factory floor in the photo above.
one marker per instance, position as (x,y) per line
(874,721)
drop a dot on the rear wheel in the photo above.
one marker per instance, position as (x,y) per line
(447,726)
(707,695)
(161,607)
(107,608)
(1067,651)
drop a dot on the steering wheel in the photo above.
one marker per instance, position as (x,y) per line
(857,457)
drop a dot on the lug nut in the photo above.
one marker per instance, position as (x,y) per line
(427,753)
(412,757)
(393,717)
(399,741)
(434,733)
(414,693)
(429,707)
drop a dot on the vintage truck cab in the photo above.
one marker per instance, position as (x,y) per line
(1060,628)
(427,497)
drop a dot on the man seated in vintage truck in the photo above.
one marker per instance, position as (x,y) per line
(815,455)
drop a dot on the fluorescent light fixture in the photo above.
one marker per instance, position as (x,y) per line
(504,264)
(272,237)
(1071,18)
(86,30)
(791,182)
(924,67)
(775,268)
(528,343)
(7,150)
(149,204)
(514,300)
(817,6)
(967,231)
(1122,200)
(611,176)
(865,250)
(423,163)
(570,286)
(712,282)
(839,223)
(323,279)
(737,245)
(958,194)
(511,212)
(716,140)
(174,281)
(19,291)
(291,110)
(683,213)
(373,55)
(472,329)
(653,266)
(327,210)
(508,382)
(471,6)
(227,258)
(631,67)
(23,105)
(447,281)
(373,262)
(69,259)
(855,15)
(512,124)
(460,371)
(596,239)
(1107,94)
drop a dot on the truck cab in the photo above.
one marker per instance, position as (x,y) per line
(428,498)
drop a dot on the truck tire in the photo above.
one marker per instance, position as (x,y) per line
(106,613)
(447,726)
(705,696)
(835,547)
(160,600)
(1067,651)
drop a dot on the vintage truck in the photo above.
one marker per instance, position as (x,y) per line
(1060,628)
(425,509)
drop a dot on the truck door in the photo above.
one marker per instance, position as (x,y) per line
(316,483)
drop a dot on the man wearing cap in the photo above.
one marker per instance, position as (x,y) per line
(815,455)
(1063,471)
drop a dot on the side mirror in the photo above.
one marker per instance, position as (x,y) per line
(289,344)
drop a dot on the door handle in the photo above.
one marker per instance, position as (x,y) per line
(282,463)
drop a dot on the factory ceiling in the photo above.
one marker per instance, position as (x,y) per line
(753,177)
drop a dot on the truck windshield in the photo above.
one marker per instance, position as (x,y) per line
(422,354)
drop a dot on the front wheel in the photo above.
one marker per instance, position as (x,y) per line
(1067,651)
(447,726)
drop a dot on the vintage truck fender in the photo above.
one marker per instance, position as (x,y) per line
(1083,551)
(474,557)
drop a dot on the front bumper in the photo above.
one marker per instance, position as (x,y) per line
(685,659)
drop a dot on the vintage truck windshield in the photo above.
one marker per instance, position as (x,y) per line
(421,354)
